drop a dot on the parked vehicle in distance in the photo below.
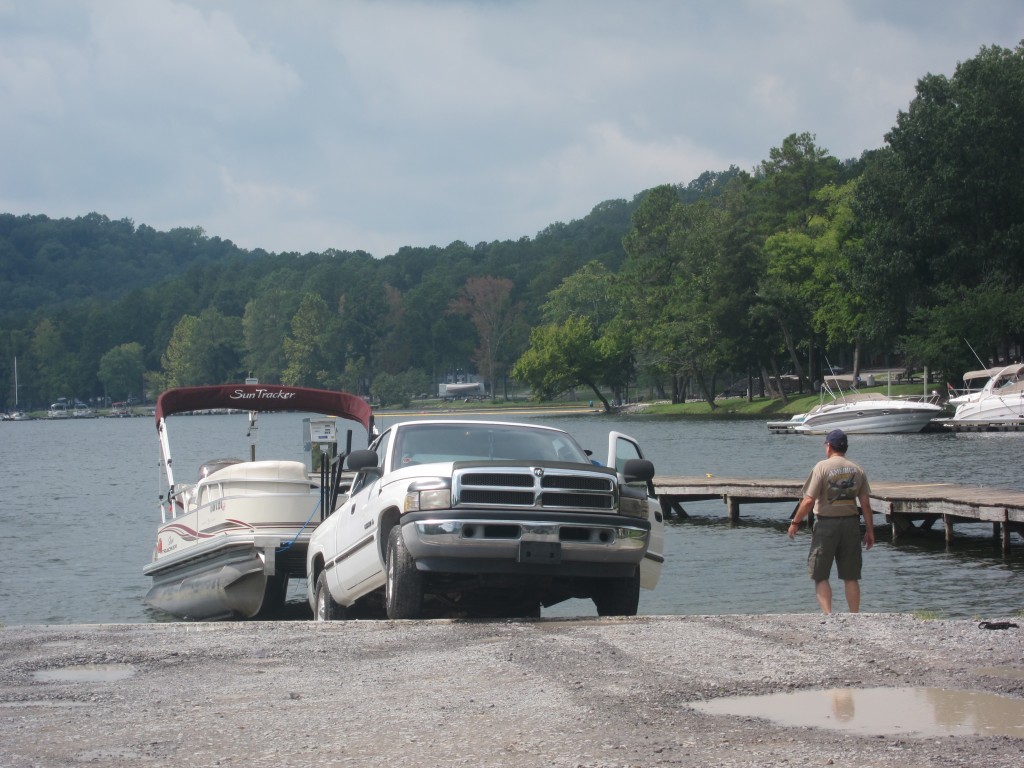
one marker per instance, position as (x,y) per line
(486,519)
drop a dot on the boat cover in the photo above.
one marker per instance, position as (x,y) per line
(264,398)
(988,373)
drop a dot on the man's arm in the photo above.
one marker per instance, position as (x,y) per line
(802,511)
(869,525)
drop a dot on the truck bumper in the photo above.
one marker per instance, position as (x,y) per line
(521,543)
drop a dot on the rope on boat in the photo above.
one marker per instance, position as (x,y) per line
(286,547)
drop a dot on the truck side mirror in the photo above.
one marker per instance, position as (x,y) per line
(638,471)
(359,460)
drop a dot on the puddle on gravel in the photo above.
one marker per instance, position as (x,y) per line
(86,673)
(1006,672)
(923,712)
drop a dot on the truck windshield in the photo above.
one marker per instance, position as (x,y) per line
(426,443)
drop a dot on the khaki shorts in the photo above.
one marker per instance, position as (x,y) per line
(835,539)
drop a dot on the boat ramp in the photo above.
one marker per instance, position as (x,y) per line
(907,507)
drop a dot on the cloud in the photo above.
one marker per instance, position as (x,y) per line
(373,124)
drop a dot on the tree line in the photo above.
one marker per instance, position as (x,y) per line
(909,255)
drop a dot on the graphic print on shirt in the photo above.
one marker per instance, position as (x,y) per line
(841,485)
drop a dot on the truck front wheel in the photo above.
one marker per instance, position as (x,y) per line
(326,608)
(403,593)
(618,597)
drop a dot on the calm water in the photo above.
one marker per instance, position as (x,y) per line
(79,509)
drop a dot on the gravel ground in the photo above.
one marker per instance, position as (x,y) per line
(579,693)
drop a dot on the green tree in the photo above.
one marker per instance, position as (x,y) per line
(265,326)
(840,305)
(399,389)
(121,370)
(221,346)
(204,350)
(787,194)
(942,205)
(50,360)
(304,346)
(790,176)
(181,362)
(562,356)
(672,272)
(594,293)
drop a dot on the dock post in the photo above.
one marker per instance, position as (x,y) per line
(671,506)
(733,509)
(1006,532)
(947,521)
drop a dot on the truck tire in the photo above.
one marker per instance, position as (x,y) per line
(403,592)
(326,609)
(618,597)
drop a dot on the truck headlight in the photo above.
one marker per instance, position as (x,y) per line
(632,507)
(438,498)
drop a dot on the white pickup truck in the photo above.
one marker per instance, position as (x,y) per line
(486,519)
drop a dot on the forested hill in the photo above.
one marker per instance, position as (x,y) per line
(52,263)
(47,263)
(77,289)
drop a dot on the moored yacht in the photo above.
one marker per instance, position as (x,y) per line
(1001,400)
(977,383)
(58,410)
(861,413)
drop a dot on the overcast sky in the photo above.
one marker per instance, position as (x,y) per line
(372,124)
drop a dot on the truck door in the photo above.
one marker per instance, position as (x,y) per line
(357,530)
(621,448)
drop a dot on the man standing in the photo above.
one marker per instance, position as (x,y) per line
(832,490)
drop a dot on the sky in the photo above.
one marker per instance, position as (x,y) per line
(310,125)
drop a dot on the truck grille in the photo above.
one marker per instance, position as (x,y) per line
(524,490)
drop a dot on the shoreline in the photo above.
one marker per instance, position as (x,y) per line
(593,692)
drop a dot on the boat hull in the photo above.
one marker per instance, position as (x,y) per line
(991,409)
(240,580)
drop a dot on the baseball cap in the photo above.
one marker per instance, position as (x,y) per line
(837,439)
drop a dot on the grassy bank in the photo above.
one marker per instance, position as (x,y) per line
(733,407)
(761,407)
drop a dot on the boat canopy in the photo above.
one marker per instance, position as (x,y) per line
(264,398)
(988,373)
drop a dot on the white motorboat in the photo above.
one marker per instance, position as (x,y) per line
(58,410)
(862,413)
(991,379)
(1000,400)
(227,545)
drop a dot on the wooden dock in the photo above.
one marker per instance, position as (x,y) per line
(906,506)
(1005,425)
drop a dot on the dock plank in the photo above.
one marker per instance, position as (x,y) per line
(902,503)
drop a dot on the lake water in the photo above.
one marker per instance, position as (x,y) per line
(79,510)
